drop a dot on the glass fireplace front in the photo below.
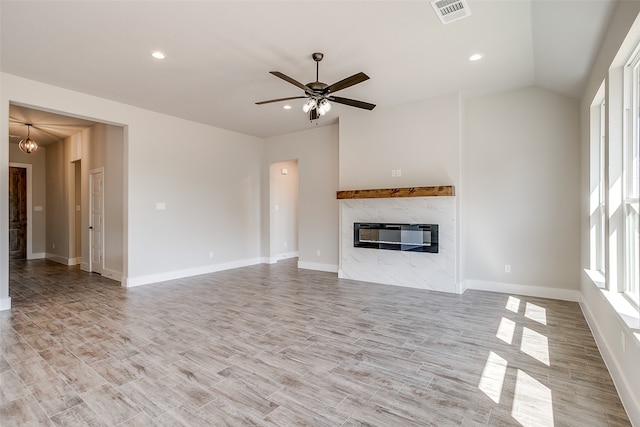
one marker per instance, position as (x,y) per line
(396,237)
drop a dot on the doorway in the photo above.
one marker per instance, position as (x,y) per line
(75,214)
(18,220)
(96,220)
(283,195)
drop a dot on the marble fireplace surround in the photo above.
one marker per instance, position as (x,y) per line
(415,205)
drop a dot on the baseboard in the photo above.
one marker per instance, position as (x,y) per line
(75,261)
(5,303)
(37,255)
(84,266)
(532,291)
(630,400)
(269,260)
(57,258)
(330,268)
(179,274)
(112,274)
(287,255)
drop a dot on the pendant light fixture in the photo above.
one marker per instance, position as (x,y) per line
(28,145)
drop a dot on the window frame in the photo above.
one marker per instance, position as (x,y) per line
(630,286)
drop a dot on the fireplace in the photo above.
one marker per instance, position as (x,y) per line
(385,261)
(396,237)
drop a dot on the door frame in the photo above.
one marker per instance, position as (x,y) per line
(75,258)
(92,172)
(29,168)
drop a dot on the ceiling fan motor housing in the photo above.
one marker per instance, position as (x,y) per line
(317,87)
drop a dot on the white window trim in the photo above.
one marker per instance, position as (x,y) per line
(630,201)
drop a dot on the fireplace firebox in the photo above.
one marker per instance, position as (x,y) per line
(396,237)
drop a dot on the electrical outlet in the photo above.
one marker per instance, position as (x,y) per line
(211,254)
(393,173)
(399,172)
(53,245)
(507,268)
(285,244)
(318,252)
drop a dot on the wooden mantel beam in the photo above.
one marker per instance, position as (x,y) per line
(381,193)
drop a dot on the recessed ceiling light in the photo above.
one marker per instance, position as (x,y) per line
(158,55)
(287,107)
(476,57)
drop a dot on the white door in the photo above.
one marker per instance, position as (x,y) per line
(96,220)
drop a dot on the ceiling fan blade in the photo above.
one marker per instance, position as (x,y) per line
(345,83)
(290,80)
(279,99)
(352,102)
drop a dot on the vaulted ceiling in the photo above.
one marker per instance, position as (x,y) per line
(219,53)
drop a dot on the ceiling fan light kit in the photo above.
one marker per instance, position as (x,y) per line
(318,94)
(28,145)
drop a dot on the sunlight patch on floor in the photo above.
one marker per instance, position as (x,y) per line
(506,328)
(536,313)
(532,402)
(513,304)
(493,377)
(535,345)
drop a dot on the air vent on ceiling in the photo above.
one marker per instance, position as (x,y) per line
(451,10)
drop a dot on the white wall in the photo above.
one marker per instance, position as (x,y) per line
(57,206)
(521,204)
(422,139)
(317,154)
(208,178)
(37,218)
(283,208)
(606,324)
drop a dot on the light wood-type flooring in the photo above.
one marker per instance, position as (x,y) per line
(271,345)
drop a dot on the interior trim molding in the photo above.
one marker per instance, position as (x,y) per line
(532,291)
(5,304)
(287,255)
(59,259)
(630,401)
(37,255)
(130,282)
(329,268)
(112,274)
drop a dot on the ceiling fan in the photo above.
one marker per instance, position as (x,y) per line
(319,94)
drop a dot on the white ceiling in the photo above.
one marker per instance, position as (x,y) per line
(219,53)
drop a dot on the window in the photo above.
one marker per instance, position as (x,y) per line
(597,184)
(614,181)
(631,181)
